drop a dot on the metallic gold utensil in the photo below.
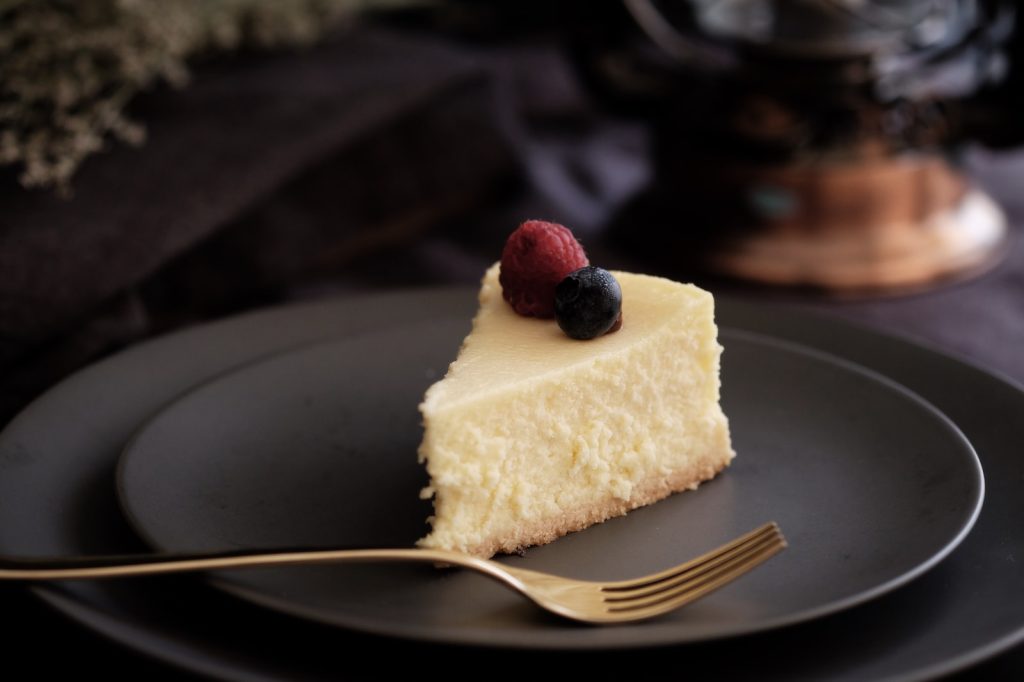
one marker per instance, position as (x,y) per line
(588,601)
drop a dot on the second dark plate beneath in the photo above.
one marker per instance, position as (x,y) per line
(317,447)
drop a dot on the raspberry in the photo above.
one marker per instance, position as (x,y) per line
(536,257)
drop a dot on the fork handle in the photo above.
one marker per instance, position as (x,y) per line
(123,566)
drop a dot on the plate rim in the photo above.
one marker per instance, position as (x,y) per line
(541,639)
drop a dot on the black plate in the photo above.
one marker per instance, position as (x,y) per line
(318,448)
(56,497)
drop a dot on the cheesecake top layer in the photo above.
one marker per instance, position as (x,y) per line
(506,348)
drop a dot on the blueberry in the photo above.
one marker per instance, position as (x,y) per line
(587,302)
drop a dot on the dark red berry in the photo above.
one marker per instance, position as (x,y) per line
(588,303)
(536,257)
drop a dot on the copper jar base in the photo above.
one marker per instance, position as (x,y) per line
(877,227)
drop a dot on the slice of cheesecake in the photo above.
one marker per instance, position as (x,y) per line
(532,435)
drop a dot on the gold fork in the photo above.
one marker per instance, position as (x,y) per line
(583,600)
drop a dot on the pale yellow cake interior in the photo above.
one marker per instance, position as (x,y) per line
(532,435)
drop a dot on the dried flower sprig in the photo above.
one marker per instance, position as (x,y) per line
(69,68)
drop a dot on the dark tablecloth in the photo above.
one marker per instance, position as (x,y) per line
(374,161)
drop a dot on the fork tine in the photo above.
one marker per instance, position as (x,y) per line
(724,567)
(655,581)
(708,563)
(697,588)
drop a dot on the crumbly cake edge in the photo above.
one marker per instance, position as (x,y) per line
(652,490)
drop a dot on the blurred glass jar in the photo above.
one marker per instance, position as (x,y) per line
(809,141)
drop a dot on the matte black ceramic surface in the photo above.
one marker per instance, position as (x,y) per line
(318,448)
(57,497)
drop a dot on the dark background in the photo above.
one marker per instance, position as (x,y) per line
(387,157)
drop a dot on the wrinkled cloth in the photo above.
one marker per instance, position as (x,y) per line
(274,168)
